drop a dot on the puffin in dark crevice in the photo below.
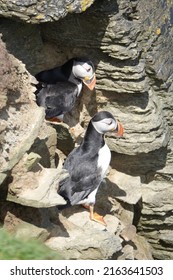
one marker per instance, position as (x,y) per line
(58,88)
(88,163)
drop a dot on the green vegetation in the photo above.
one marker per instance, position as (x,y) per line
(15,249)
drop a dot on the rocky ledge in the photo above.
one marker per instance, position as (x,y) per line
(130,44)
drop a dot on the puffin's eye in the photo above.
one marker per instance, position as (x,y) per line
(88,69)
(108,122)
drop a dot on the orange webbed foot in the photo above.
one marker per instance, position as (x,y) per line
(54,120)
(98,218)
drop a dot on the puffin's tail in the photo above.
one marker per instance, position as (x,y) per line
(53,112)
(65,192)
(62,207)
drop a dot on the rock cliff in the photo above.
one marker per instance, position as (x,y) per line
(34,11)
(130,44)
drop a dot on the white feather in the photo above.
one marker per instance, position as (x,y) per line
(104,159)
(90,199)
(79,86)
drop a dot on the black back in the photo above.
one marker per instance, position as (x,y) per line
(57,74)
(81,164)
(102,115)
(58,98)
(60,73)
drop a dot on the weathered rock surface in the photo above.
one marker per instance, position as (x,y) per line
(28,231)
(130,43)
(34,11)
(82,241)
(128,187)
(37,189)
(137,249)
(157,217)
(20,117)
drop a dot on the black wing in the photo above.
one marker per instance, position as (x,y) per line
(58,98)
(84,177)
(51,76)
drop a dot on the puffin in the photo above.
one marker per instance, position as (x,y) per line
(58,88)
(88,163)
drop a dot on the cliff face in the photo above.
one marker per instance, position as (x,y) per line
(130,43)
(34,11)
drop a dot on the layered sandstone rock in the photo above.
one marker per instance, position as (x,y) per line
(34,11)
(130,44)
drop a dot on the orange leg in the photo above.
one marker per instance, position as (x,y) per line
(54,120)
(86,206)
(94,216)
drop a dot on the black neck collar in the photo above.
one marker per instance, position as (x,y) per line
(93,140)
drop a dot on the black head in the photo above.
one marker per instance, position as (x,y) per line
(104,121)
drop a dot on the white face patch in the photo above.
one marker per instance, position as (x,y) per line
(87,67)
(105,125)
(82,70)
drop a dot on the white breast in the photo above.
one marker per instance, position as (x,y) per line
(91,199)
(79,86)
(75,81)
(102,163)
(104,160)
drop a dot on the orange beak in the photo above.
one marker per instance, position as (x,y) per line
(119,130)
(90,83)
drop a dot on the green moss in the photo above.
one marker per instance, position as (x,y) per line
(14,249)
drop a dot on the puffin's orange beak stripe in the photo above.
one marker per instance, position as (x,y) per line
(90,85)
(120,129)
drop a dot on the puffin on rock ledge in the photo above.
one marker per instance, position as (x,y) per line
(58,88)
(87,164)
